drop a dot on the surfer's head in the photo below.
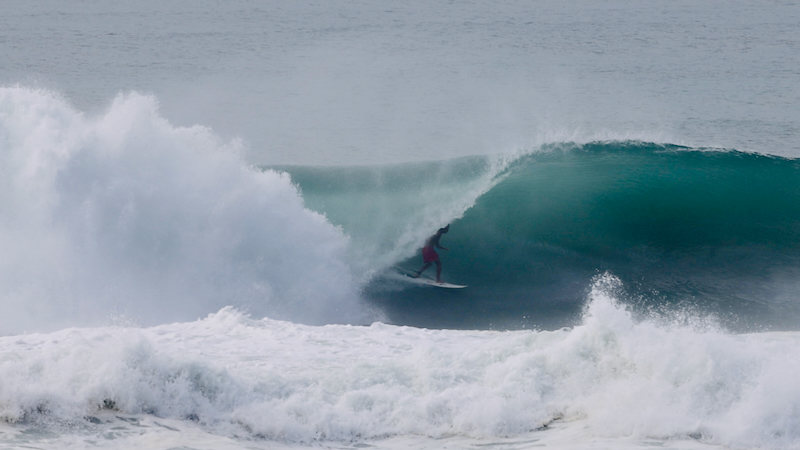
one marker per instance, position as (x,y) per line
(445,229)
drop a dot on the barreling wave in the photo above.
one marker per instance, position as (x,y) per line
(711,230)
(124,213)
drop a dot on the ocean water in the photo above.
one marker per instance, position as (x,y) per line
(202,206)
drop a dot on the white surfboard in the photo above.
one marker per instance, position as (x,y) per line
(406,275)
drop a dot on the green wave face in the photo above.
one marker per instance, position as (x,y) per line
(715,232)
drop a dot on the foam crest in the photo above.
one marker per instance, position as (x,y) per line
(675,380)
(126,214)
(611,378)
(63,376)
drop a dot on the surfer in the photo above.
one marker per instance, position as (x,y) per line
(429,255)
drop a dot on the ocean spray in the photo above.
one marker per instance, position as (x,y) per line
(124,214)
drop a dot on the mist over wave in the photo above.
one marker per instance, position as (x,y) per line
(124,214)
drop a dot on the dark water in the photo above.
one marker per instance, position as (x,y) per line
(709,232)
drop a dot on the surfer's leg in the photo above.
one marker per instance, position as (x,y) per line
(438,271)
(422,269)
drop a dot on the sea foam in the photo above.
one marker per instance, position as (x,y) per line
(611,377)
(125,214)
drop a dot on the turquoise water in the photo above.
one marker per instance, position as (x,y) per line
(709,229)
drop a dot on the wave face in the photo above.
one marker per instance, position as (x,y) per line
(124,214)
(712,231)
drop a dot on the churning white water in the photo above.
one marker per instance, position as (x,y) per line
(124,214)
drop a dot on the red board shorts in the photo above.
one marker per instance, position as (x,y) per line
(429,255)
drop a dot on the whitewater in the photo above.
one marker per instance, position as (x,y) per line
(202,206)
(266,383)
